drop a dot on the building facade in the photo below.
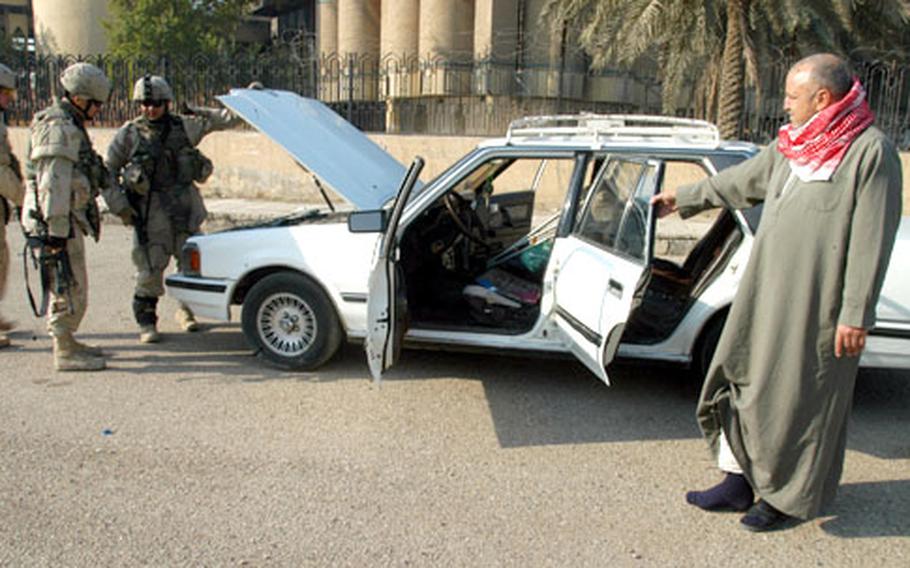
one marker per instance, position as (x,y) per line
(388,50)
(15,20)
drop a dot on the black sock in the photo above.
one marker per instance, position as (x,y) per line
(733,493)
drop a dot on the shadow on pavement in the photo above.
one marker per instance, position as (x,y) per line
(543,401)
(870,510)
(881,407)
(533,399)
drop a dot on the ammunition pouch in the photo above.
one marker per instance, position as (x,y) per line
(192,166)
(92,165)
(135,180)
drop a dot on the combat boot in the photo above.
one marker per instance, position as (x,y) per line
(186,319)
(67,357)
(92,350)
(149,334)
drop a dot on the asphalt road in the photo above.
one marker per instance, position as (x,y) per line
(192,453)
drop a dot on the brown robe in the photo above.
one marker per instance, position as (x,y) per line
(818,260)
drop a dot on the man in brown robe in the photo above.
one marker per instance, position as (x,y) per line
(777,396)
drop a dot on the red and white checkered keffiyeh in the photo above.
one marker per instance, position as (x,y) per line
(816,148)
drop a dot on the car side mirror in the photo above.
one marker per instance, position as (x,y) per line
(368,221)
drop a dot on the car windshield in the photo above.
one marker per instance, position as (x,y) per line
(486,173)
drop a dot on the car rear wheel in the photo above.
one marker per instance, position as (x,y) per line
(290,322)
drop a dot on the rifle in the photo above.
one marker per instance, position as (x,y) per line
(140,222)
(137,188)
(52,264)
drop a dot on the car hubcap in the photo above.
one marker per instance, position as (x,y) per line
(287,324)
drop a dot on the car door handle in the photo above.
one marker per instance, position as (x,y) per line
(615,287)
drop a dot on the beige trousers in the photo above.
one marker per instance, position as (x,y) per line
(66,311)
(4,260)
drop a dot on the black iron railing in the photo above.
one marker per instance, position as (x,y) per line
(411,94)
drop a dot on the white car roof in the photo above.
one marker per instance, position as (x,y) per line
(626,131)
(354,166)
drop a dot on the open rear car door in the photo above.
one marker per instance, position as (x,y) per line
(596,269)
(386,308)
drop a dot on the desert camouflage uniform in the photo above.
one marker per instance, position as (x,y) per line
(63,178)
(168,207)
(11,191)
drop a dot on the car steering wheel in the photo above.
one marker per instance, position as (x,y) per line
(459,210)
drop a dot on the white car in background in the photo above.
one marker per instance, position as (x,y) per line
(457,262)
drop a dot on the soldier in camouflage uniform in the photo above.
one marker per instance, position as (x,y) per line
(155,159)
(11,187)
(63,177)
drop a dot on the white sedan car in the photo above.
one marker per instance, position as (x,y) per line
(465,261)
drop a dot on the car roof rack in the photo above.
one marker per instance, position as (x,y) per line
(605,128)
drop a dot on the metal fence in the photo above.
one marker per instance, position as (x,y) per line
(435,96)
(887,86)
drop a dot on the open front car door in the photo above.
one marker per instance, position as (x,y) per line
(596,269)
(386,308)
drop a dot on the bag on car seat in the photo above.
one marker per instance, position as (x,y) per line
(498,297)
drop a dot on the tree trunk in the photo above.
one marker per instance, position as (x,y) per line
(733,74)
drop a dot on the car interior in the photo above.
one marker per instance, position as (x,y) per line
(472,261)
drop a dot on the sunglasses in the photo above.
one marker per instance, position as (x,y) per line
(154,103)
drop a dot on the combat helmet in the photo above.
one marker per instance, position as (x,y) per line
(7,77)
(86,80)
(152,88)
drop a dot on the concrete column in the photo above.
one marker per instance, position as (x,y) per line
(541,50)
(495,29)
(399,30)
(495,46)
(330,84)
(358,27)
(70,26)
(398,39)
(447,29)
(358,46)
(446,37)
(327,26)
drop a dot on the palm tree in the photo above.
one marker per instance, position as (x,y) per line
(732,70)
(710,49)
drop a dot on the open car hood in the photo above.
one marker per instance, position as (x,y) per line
(342,157)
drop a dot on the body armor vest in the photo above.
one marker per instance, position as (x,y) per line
(89,162)
(166,155)
(86,161)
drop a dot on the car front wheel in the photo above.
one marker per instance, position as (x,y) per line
(290,322)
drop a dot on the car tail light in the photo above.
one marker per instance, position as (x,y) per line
(192,260)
